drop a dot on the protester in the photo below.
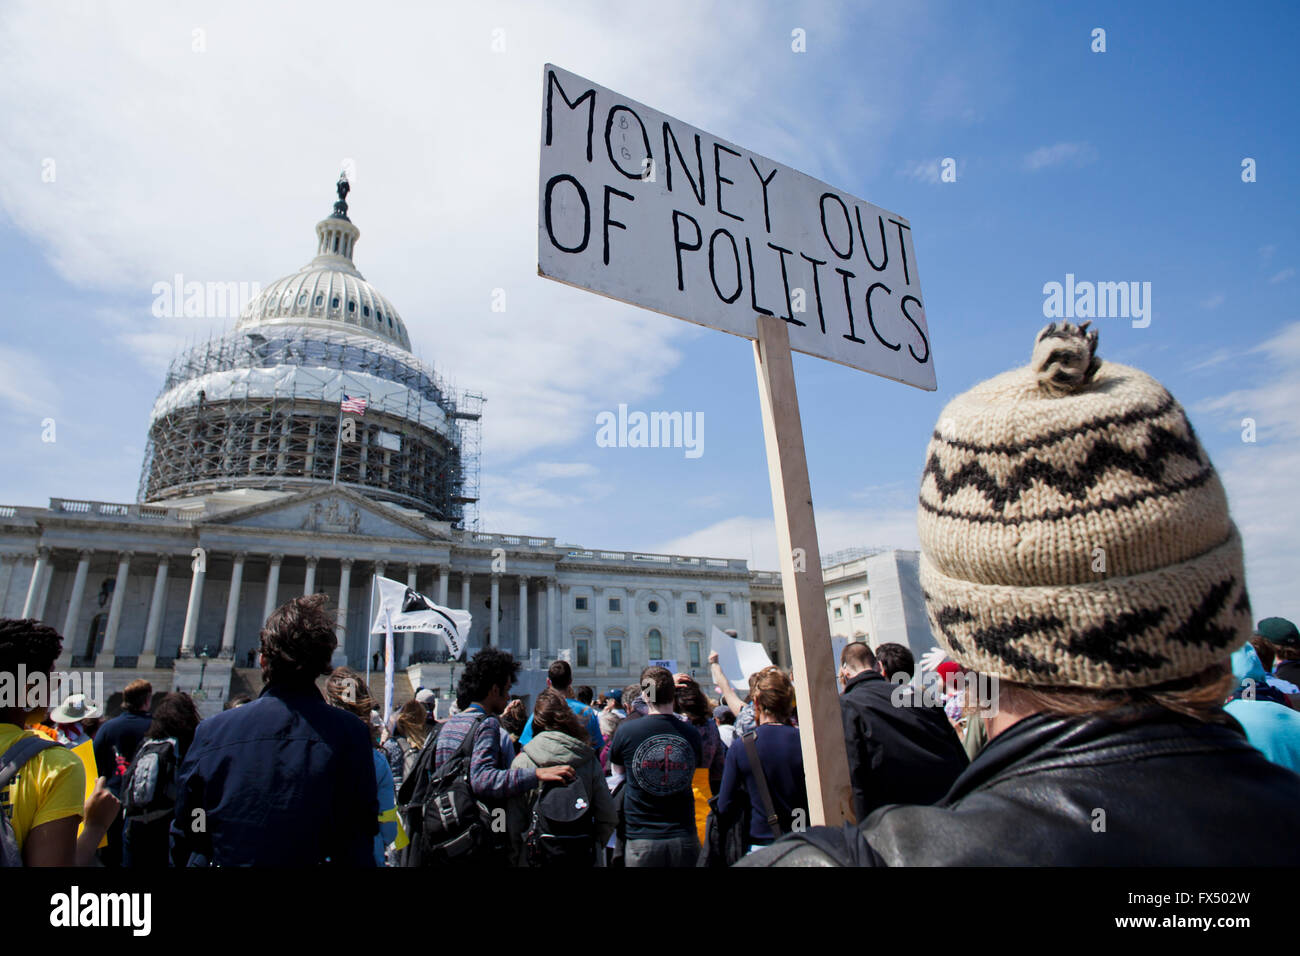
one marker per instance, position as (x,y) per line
(1284,637)
(148,787)
(726,722)
(68,719)
(1267,658)
(742,709)
(474,734)
(901,746)
(1109,745)
(780,762)
(115,744)
(657,755)
(287,780)
(692,706)
(1270,724)
(612,713)
(513,719)
(541,831)
(43,801)
(560,676)
(347,689)
(584,695)
(402,748)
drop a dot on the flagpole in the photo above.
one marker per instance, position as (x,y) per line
(338,443)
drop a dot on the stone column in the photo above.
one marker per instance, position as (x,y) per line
(444,581)
(105,658)
(706,605)
(678,633)
(72,619)
(157,607)
(43,600)
(34,586)
(232,607)
(272,600)
(464,591)
(551,632)
(523,617)
(7,564)
(492,635)
(783,639)
(565,609)
(597,638)
(381,571)
(193,609)
(744,608)
(309,585)
(340,658)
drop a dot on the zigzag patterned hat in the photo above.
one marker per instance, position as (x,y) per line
(1073,531)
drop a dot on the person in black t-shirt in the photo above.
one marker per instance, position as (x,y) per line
(658,755)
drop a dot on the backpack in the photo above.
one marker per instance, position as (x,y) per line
(445,820)
(562,831)
(11,762)
(149,788)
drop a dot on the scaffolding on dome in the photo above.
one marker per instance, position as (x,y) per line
(259,408)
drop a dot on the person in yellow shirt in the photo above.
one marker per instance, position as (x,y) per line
(46,799)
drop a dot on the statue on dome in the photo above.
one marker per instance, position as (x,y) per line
(343,186)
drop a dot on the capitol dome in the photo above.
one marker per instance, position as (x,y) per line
(329,291)
(261,406)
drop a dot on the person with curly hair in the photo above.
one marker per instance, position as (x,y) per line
(286,780)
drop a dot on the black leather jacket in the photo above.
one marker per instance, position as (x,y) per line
(1161,791)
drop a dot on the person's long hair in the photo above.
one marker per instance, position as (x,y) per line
(552,712)
(348,690)
(174,715)
(412,723)
(691,702)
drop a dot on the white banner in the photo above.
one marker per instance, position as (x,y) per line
(643,208)
(412,612)
(738,659)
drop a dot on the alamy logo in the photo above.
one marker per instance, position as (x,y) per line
(651,430)
(38,689)
(74,909)
(202,300)
(1098,300)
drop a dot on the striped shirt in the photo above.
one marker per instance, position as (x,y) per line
(489,773)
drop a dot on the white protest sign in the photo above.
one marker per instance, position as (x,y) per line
(638,206)
(738,659)
(668,665)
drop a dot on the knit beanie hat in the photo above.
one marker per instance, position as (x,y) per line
(1073,531)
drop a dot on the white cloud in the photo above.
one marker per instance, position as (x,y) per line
(754,539)
(922,170)
(1061,154)
(26,384)
(217,164)
(1260,477)
(1214,301)
(1282,276)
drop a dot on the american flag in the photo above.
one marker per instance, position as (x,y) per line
(354,406)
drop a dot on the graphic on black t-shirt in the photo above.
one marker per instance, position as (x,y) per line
(663,764)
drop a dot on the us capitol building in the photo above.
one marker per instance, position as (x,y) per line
(256,488)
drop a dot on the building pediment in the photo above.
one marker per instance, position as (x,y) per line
(331,511)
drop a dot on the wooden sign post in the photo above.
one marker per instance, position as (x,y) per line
(638,206)
(825,761)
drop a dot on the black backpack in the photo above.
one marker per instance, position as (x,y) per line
(562,832)
(446,822)
(149,787)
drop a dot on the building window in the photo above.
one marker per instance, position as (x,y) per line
(857,608)
(615,605)
(771,622)
(654,607)
(615,653)
(302,299)
(580,604)
(319,299)
(655,645)
(839,613)
(583,656)
(692,607)
(366,311)
(352,305)
(720,610)
(695,653)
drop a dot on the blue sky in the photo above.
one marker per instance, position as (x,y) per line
(216,163)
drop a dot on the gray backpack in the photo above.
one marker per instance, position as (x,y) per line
(10,763)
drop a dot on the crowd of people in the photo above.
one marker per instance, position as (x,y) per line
(1078,562)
